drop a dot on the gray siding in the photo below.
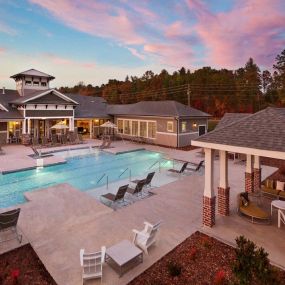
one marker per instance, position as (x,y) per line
(49,99)
(49,113)
(3,132)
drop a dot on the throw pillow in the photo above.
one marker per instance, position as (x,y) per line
(269,183)
(280,185)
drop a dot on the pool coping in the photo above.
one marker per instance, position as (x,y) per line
(31,168)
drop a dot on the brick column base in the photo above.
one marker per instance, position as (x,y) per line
(249,182)
(224,201)
(209,206)
(256,178)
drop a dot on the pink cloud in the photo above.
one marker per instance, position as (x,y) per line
(253,28)
(95,18)
(171,54)
(57,60)
(136,53)
(2,50)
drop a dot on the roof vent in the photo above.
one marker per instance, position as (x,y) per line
(3,90)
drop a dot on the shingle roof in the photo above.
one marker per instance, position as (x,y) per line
(33,72)
(263,130)
(230,118)
(89,107)
(9,96)
(156,108)
(30,94)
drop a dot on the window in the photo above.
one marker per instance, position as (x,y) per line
(127,127)
(135,128)
(28,82)
(170,126)
(143,129)
(43,84)
(36,83)
(183,126)
(120,126)
(151,130)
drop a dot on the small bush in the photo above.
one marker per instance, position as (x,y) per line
(174,269)
(251,264)
(220,278)
(193,253)
(206,242)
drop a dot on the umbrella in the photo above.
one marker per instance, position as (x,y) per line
(60,126)
(109,124)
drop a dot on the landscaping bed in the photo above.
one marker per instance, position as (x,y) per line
(22,266)
(199,260)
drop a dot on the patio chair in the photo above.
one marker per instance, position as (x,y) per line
(249,209)
(92,264)
(195,167)
(182,169)
(147,237)
(118,197)
(138,189)
(281,218)
(8,222)
(148,180)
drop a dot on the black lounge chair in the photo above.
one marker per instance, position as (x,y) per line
(148,180)
(195,167)
(138,189)
(8,222)
(40,154)
(183,168)
(118,197)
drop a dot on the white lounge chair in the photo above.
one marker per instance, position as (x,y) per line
(92,264)
(281,218)
(147,237)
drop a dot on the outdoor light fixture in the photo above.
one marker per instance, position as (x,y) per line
(194,125)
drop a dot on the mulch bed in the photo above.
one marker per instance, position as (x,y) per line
(200,258)
(22,266)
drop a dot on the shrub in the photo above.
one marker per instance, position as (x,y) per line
(174,269)
(220,278)
(251,263)
(206,242)
(193,253)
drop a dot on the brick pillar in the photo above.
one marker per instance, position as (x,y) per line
(224,201)
(249,182)
(209,206)
(256,178)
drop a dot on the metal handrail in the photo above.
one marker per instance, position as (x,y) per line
(101,178)
(123,172)
(154,164)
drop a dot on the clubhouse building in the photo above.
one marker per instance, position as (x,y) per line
(33,108)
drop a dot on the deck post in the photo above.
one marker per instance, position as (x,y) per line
(256,173)
(209,199)
(249,174)
(224,189)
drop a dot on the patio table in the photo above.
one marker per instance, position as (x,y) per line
(277,204)
(123,256)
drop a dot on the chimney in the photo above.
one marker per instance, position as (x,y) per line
(3,90)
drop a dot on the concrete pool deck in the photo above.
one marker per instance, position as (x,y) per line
(60,220)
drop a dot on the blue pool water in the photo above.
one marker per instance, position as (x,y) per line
(81,171)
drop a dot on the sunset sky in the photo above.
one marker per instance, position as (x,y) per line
(94,41)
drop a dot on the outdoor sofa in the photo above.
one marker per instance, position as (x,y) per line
(270,188)
(249,209)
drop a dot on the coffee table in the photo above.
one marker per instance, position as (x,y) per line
(279,204)
(123,256)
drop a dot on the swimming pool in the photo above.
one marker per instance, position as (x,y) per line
(83,170)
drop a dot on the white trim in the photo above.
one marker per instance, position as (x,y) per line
(47,118)
(49,91)
(166,133)
(239,149)
(189,133)
(3,108)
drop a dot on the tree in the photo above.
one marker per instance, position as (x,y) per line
(279,67)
